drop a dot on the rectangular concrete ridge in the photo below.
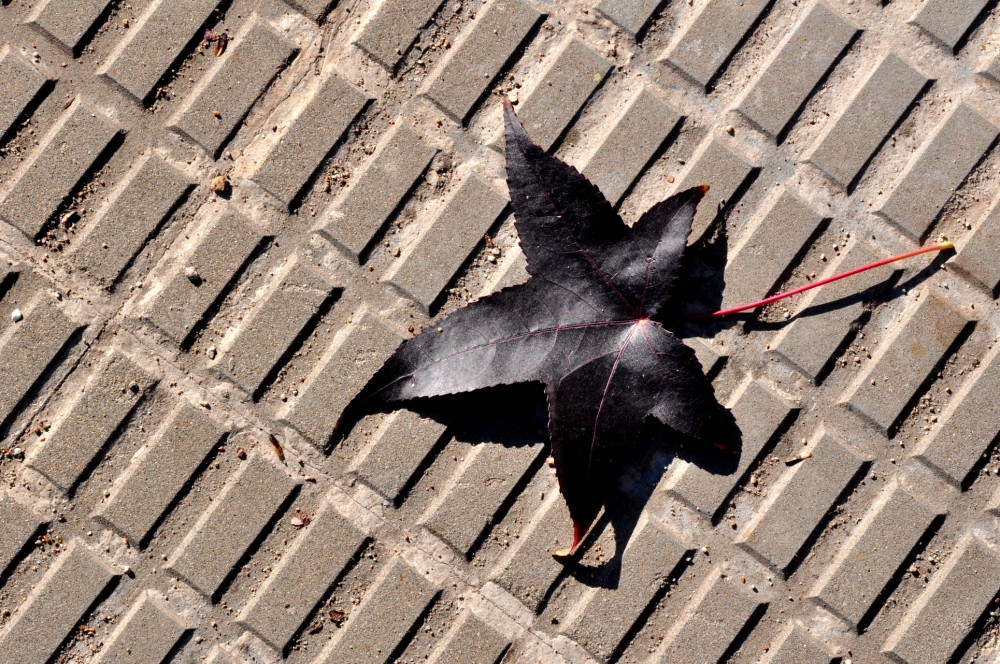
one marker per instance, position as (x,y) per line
(220,219)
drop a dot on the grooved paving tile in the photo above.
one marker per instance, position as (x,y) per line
(217,254)
(937,169)
(705,45)
(715,618)
(992,68)
(387,613)
(471,641)
(146,635)
(68,21)
(139,205)
(848,143)
(237,516)
(809,342)
(266,334)
(220,656)
(532,570)
(799,500)
(629,15)
(300,581)
(761,257)
(397,452)
(27,348)
(610,613)
(378,190)
(798,647)
(485,479)
(392,27)
(111,393)
(311,137)
(348,363)
(76,580)
(901,363)
(970,423)
(977,255)
(759,412)
(479,54)
(21,84)
(53,170)
(947,20)
(872,554)
(936,624)
(314,9)
(157,475)
(576,72)
(154,42)
(632,140)
(724,170)
(432,261)
(19,524)
(796,67)
(256,57)
(707,354)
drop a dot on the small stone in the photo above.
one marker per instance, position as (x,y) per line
(16,316)
(192,275)
(512,97)
(731,130)
(211,352)
(220,184)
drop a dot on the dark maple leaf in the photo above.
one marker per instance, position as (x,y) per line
(581,325)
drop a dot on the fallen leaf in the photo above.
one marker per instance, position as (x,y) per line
(581,325)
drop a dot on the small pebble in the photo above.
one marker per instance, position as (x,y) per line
(16,316)
(211,352)
(192,275)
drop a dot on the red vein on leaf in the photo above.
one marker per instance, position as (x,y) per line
(604,395)
(942,246)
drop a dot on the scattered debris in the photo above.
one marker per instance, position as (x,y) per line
(221,185)
(276,446)
(801,456)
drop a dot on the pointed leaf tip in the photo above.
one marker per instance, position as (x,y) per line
(578,532)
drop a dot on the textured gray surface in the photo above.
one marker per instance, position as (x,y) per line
(171,332)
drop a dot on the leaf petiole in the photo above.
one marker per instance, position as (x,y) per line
(942,246)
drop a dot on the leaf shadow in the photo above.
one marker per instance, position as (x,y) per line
(657,448)
(885,291)
(508,415)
